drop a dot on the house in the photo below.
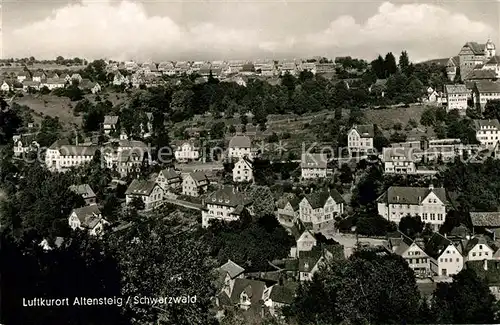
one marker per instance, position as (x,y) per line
(281,295)
(88,217)
(456,98)
(6,86)
(85,84)
(484,91)
(360,138)
(85,191)
(39,76)
(485,223)
(313,166)
(195,184)
(119,79)
(24,143)
(320,208)
(481,74)
(379,87)
(96,88)
(53,83)
(228,273)
(493,64)
(168,178)
(28,84)
(304,239)
(61,157)
(149,192)
(225,204)
(76,77)
(428,203)
(311,261)
(66,77)
(288,209)
(400,160)
(445,258)
(473,54)
(186,152)
(243,170)
(109,124)
(129,161)
(489,272)
(240,146)
(288,67)
(248,293)
(413,253)
(23,75)
(487,132)
(167,68)
(477,249)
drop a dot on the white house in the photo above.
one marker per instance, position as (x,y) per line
(109,124)
(61,157)
(477,249)
(320,208)
(194,184)
(311,261)
(281,296)
(24,143)
(445,258)
(313,166)
(23,75)
(400,160)
(240,146)
(487,132)
(225,204)
(456,97)
(428,203)
(168,178)
(6,86)
(29,84)
(39,76)
(484,91)
(120,79)
(413,253)
(360,138)
(88,217)
(186,152)
(243,170)
(288,210)
(305,241)
(149,192)
(53,83)
(76,77)
(96,88)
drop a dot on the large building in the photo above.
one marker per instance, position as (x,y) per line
(484,91)
(240,146)
(456,98)
(313,166)
(319,209)
(474,54)
(428,203)
(63,157)
(360,138)
(226,204)
(487,132)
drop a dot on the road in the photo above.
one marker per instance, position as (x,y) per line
(184,204)
(349,241)
(199,166)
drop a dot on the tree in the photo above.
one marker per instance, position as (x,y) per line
(346,176)
(378,67)
(263,200)
(137,204)
(390,66)
(217,130)
(411,226)
(404,62)
(492,109)
(466,300)
(428,117)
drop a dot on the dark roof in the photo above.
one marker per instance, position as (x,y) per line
(479,124)
(455,89)
(477,48)
(308,259)
(232,268)
(199,176)
(253,288)
(472,243)
(228,196)
(288,198)
(487,86)
(494,60)
(170,174)
(426,289)
(313,160)
(110,119)
(436,244)
(410,195)
(284,294)
(485,219)
(140,187)
(84,190)
(365,130)
(318,199)
(89,215)
(240,141)
(479,74)
(59,143)
(72,150)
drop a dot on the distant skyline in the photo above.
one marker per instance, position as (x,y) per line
(212,30)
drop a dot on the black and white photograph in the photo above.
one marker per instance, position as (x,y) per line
(258,162)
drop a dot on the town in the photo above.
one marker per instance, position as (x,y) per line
(312,191)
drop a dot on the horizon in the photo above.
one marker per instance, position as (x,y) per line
(208,31)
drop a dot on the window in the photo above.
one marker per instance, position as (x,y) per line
(473,254)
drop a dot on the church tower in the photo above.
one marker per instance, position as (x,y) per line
(489,49)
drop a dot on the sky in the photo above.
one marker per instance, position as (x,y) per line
(163,30)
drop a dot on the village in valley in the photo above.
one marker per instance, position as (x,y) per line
(268,189)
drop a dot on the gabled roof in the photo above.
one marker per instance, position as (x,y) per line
(84,190)
(318,199)
(110,119)
(485,219)
(89,215)
(246,161)
(232,269)
(313,160)
(72,150)
(476,48)
(480,74)
(495,60)
(436,245)
(59,143)
(254,289)
(199,176)
(39,74)
(240,141)
(228,196)
(410,195)
(309,259)
(290,198)
(473,242)
(170,174)
(455,89)
(480,124)
(365,130)
(140,187)
(394,153)
(487,86)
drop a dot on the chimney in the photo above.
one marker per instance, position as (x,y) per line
(485,264)
(431,186)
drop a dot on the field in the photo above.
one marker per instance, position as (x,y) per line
(50,105)
(386,118)
(38,66)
